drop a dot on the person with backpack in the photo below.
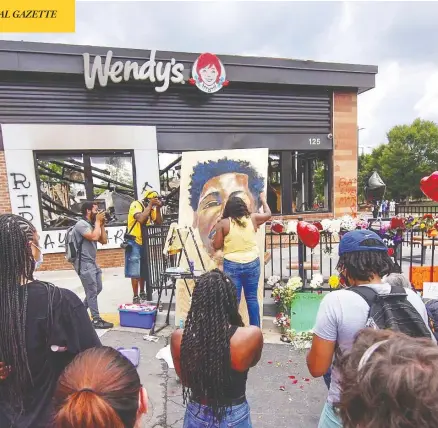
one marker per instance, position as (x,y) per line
(366,302)
(81,247)
(142,212)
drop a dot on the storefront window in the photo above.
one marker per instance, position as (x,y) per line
(67,180)
(298,182)
(274,182)
(311,184)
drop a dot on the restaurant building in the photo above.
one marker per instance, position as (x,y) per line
(82,122)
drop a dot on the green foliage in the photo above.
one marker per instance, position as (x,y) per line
(318,180)
(410,154)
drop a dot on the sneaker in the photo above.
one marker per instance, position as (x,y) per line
(101,324)
(143,296)
(136,300)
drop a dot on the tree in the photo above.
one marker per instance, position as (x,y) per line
(410,154)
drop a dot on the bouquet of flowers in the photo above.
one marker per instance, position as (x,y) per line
(282,320)
(348,223)
(316,281)
(284,295)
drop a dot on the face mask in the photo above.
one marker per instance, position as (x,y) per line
(38,262)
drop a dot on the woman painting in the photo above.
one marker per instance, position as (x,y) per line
(236,235)
(36,319)
(213,355)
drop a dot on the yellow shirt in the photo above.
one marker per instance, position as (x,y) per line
(135,208)
(240,245)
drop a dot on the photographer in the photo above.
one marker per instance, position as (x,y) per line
(87,233)
(142,212)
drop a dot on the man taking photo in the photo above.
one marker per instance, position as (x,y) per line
(142,212)
(87,233)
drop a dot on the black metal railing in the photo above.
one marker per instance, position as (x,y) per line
(407,210)
(286,256)
(154,261)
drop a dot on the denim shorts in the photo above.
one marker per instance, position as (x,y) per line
(238,416)
(133,257)
(329,417)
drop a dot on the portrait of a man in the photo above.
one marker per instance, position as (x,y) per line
(208,180)
(212,184)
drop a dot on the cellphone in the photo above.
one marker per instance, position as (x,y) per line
(212,233)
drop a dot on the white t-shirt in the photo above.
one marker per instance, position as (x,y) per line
(343,313)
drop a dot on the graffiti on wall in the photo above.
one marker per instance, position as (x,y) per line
(20,189)
(347,191)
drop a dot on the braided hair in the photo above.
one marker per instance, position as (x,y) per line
(205,347)
(16,269)
(236,209)
(363,265)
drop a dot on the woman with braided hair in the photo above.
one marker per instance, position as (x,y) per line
(213,354)
(36,318)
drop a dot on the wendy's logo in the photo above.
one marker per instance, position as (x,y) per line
(208,73)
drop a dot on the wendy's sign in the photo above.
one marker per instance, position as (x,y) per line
(208,74)
(158,72)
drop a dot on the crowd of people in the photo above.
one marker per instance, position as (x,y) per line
(372,339)
(384,209)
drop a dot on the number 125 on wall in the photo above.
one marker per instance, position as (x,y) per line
(314,141)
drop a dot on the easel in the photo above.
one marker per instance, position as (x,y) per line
(176,244)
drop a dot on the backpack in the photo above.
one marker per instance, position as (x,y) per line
(392,311)
(432,315)
(72,250)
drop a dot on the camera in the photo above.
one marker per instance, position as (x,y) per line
(162,199)
(109,216)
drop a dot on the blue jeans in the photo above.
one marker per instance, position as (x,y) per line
(133,256)
(246,276)
(200,417)
(329,418)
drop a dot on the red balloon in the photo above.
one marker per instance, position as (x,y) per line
(308,233)
(429,186)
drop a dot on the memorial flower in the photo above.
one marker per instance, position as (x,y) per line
(317,281)
(334,282)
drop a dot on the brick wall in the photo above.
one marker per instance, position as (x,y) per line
(345,153)
(105,258)
(5,202)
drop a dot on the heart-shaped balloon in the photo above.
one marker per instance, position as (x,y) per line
(308,233)
(429,186)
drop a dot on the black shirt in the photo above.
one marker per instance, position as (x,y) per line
(69,326)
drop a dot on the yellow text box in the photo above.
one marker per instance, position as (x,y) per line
(37,16)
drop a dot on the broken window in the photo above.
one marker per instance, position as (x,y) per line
(67,180)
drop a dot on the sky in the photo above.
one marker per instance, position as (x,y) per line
(401,38)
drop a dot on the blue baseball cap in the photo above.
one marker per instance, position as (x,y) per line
(352,241)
